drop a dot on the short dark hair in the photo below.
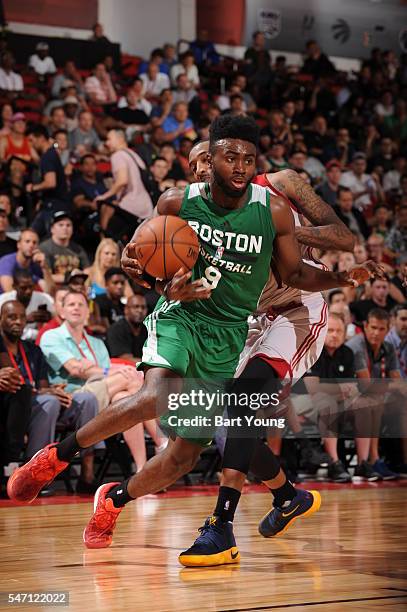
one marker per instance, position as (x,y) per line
(343,190)
(159,159)
(384,277)
(398,308)
(56,108)
(157,52)
(21,275)
(378,313)
(39,130)
(61,131)
(333,293)
(86,156)
(113,272)
(240,127)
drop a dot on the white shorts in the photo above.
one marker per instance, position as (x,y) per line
(290,340)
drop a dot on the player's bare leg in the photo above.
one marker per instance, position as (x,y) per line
(159,472)
(147,403)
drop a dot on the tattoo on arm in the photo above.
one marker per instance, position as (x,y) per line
(310,204)
(334,236)
(332,231)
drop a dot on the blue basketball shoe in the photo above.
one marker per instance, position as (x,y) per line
(278,520)
(215,545)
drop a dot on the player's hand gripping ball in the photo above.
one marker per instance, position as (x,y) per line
(163,245)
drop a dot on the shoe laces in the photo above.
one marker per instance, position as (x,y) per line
(209,530)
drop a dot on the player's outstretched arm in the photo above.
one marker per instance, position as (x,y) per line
(328,231)
(294,271)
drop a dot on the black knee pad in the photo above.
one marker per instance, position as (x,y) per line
(265,465)
(257,377)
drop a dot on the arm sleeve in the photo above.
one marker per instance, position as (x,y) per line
(392,362)
(6,266)
(103,355)
(47,164)
(54,350)
(96,140)
(359,355)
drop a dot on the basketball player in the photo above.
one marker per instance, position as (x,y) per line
(287,336)
(203,335)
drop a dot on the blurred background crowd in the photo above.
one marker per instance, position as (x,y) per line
(85,155)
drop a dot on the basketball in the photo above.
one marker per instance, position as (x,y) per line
(165,244)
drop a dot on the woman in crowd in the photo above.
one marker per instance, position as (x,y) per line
(107,256)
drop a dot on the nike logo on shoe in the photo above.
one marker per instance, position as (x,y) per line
(285,514)
(234,555)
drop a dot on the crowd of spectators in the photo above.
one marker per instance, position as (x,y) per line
(84,158)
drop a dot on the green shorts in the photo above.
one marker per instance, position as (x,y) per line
(202,352)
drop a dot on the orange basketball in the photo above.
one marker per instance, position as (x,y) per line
(165,244)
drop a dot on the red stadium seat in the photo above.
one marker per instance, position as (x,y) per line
(23,104)
(104,167)
(33,116)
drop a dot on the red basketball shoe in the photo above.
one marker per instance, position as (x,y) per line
(26,482)
(99,531)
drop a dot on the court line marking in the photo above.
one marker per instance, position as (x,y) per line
(314,603)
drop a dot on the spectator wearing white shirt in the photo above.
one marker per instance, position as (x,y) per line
(224,100)
(99,87)
(41,62)
(10,81)
(187,66)
(361,184)
(392,178)
(39,306)
(299,160)
(385,108)
(154,81)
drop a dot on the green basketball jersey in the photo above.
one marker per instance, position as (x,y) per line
(235,251)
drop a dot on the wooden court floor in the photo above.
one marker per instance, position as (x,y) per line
(352,555)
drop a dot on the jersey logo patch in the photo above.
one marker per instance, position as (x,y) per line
(219,252)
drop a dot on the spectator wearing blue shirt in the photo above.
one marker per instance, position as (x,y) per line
(177,125)
(74,357)
(157,57)
(87,185)
(28,257)
(204,51)
(170,56)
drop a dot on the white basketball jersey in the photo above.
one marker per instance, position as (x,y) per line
(276,293)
